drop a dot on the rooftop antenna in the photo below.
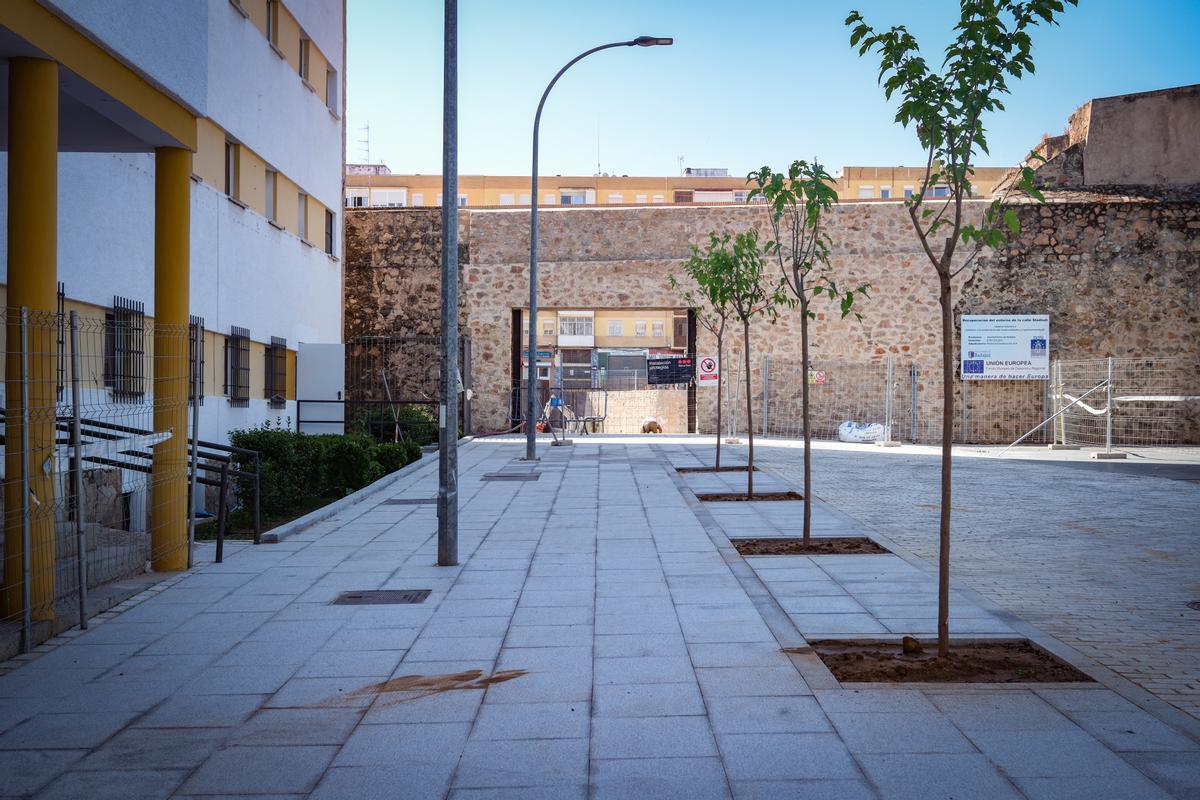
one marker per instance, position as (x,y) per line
(680,160)
(366,142)
(597,143)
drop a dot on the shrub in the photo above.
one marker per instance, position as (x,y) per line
(297,469)
(415,423)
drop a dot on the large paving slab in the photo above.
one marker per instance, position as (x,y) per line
(598,639)
(1102,558)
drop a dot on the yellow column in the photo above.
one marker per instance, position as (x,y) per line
(32,282)
(172,224)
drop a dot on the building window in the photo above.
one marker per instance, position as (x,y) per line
(331,90)
(641,198)
(329,232)
(276,372)
(462,201)
(237,367)
(941,191)
(615,328)
(639,328)
(125,349)
(739,197)
(273,22)
(885,192)
(658,198)
(196,359)
(508,199)
(658,329)
(573,197)
(616,198)
(231,169)
(547,327)
(866,192)
(682,196)
(303,67)
(272,185)
(302,215)
(524,198)
(574,326)
(418,199)
(908,192)
(357,198)
(439,199)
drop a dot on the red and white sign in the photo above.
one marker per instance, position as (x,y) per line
(708,372)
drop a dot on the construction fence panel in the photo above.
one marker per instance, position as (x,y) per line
(80,482)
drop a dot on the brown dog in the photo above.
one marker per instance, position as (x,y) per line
(650,425)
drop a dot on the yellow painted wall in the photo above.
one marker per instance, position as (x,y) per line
(257,11)
(285,204)
(289,38)
(289,391)
(316,223)
(209,161)
(628,318)
(252,180)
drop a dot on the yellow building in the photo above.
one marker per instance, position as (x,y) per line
(591,347)
(897,183)
(373,186)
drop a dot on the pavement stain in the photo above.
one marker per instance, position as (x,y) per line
(418,686)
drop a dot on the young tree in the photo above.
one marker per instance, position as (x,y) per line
(801,248)
(711,305)
(946,105)
(751,295)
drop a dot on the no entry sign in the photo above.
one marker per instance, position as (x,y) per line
(709,371)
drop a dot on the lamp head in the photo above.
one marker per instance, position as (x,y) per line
(651,41)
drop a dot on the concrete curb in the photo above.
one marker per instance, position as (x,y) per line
(278,534)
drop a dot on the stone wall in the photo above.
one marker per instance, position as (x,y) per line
(1116,278)
(628,410)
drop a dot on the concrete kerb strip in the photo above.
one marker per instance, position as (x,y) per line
(1161,709)
(812,670)
(427,459)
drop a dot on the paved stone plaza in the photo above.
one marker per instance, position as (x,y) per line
(600,639)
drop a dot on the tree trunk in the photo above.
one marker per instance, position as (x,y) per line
(749,414)
(947,449)
(720,378)
(805,419)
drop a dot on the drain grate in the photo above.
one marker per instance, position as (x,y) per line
(512,476)
(408,501)
(381,597)
(1194,605)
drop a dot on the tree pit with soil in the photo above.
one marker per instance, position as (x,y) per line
(969,661)
(817,546)
(733,497)
(694,470)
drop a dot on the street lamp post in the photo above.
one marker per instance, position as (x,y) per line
(531,411)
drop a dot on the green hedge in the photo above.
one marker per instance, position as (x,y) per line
(413,423)
(299,468)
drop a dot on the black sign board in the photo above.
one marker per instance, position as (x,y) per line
(669,370)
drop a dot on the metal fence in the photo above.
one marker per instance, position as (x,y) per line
(393,386)
(1126,402)
(85,475)
(1155,402)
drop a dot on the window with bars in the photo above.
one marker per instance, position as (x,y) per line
(237,367)
(276,372)
(125,349)
(196,359)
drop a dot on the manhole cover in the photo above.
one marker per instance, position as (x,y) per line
(512,476)
(381,597)
(1194,605)
(408,501)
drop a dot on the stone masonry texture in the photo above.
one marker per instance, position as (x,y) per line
(1117,275)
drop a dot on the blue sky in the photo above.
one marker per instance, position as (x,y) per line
(747,83)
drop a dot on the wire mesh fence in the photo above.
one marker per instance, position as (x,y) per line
(1156,402)
(90,493)
(1126,402)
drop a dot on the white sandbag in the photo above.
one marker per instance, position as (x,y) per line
(858,432)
